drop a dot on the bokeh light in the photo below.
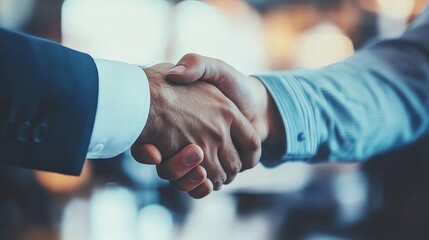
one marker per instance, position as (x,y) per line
(155,222)
(130,30)
(60,183)
(322,45)
(398,9)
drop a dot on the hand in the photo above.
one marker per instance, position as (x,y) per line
(247,93)
(198,113)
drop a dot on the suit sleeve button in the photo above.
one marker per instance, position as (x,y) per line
(23,132)
(39,133)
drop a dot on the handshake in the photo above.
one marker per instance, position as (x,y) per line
(206,124)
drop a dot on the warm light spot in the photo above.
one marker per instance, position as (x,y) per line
(280,37)
(398,9)
(234,9)
(322,45)
(59,183)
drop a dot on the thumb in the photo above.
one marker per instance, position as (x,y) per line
(146,154)
(189,69)
(193,67)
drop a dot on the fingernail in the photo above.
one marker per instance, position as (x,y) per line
(195,176)
(191,156)
(177,69)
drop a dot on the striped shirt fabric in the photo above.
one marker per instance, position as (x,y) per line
(376,100)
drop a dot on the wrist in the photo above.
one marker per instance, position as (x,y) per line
(155,92)
(267,121)
(260,120)
(274,123)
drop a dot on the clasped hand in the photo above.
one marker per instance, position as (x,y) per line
(205,125)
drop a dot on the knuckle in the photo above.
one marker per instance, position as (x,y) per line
(235,167)
(230,105)
(192,58)
(219,180)
(254,142)
(218,133)
(228,110)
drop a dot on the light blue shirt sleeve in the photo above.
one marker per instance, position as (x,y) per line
(374,101)
(122,110)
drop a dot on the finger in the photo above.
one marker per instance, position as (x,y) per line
(246,140)
(180,164)
(215,171)
(191,181)
(203,190)
(230,160)
(146,154)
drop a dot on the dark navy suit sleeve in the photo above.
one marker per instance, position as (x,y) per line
(48,102)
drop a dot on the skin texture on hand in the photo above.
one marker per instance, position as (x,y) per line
(247,93)
(197,113)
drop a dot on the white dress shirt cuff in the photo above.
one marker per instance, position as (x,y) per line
(123,108)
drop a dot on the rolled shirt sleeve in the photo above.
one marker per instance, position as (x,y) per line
(123,108)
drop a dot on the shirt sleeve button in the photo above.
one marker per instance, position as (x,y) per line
(301,137)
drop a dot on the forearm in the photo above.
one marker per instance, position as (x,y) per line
(58,106)
(369,104)
(373,101)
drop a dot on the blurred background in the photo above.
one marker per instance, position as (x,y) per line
(384,198)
